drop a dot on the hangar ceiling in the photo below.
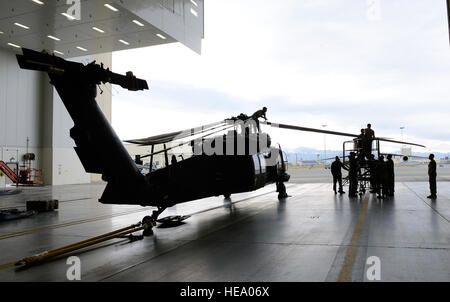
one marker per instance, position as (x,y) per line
(72,28)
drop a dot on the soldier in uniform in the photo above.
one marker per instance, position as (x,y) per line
(336,171)
(369,137)
(390,175)
(432,177)
(372,164)
(381,177)
(353,176)
(258,114)
(361,143)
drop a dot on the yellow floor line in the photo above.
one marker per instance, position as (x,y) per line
(347,268)
(8,265)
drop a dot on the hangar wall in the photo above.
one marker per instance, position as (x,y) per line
(22,111)
(31,108)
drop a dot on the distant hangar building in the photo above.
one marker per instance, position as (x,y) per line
(32,118)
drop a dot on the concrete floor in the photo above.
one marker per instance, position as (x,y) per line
(312,236)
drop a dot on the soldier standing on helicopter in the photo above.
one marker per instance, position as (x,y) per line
(258,114)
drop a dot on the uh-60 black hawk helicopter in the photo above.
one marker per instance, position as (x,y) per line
(241,160)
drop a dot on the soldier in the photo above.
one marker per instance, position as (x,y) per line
(361,143)
(373,173)
(337,174)
(258,114)
(432,176)
(369,136)
(390,175)
(381,178)
(353,176)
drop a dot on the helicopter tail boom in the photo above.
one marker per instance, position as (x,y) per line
(97,145)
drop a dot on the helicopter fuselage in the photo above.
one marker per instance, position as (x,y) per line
(101,151)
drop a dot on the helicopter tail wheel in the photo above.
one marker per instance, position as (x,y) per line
(148,223)
(147,232)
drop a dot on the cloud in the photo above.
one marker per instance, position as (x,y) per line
(310,62)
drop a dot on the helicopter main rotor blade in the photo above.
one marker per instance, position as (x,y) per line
(167,137)
(448,17)
(184,143)
(298,128)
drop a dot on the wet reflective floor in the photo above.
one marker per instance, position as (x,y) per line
(314,235)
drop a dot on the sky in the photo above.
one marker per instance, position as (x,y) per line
(339,63)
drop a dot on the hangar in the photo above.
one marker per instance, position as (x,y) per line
(311,236)
(34,121)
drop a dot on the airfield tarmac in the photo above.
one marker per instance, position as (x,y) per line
(313,235)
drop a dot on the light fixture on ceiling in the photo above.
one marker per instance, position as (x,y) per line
(194,12)
(58,52)
(38,2)
(81,48)
(193,2)
(54,38)
(14,45)
(124,42)
(98,29)
(71,18)
(21,25)
(161,36)
(1,33)
(138,23)
(111,7)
